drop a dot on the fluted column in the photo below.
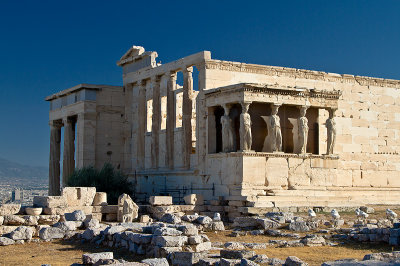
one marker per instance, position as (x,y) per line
(156,122)
(69,150)
(54,162)
(142,117)
(171,118)
(187,116)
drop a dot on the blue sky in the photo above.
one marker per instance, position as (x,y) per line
(47,46)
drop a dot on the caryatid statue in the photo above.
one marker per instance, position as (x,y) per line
(228,134)
(331,131)
(273,141)
(303,130)
(245,128)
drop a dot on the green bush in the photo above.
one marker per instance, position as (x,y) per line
(107,180)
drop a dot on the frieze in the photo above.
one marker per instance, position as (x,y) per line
(275,155)
(277,90)
(300,73)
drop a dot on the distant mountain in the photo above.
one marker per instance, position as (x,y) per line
(10,169)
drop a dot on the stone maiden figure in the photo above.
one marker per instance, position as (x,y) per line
(228,140)
(273,141)
(245,128)
(303,130)
(331,131)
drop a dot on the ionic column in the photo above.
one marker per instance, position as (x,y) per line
(142,117)
(171,117)
(156,121)
(245,128)
(201,121)
(54,162)
(187,116)
(69,150)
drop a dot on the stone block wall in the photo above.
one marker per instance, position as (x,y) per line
(367,121)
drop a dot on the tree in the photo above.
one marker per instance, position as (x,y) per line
(107,180)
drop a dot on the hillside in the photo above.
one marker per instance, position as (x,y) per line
(10,169)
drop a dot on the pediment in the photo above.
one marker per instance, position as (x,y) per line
(134,51)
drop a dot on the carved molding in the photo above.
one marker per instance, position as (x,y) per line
(300,73)
(276,155)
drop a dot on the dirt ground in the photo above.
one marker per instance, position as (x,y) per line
(59,253)
(311,255)
(56,253)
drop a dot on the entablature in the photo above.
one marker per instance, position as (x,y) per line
(276,94)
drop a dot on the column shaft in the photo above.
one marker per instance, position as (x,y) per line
(201,121)
(187,116)
(142,125)
(54,162)
(69,150)
(171,118)
(156,122)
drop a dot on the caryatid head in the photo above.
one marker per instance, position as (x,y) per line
(275,108)
(303,111)
(245,107)
(332,112)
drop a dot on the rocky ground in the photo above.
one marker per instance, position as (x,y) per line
(274,239)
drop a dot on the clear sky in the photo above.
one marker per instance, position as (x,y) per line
(48,46)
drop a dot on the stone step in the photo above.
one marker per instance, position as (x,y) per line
(331,192)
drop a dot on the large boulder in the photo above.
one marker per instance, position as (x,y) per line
(170,218)
(299,226)
(22,233)
(156,262)
(294,261)
(243,222)
(92,258)
(90,233)
(237,254)
(79,196)
(313,240)
(186,258)
(49,233)
(31,220)
(92,223)
(169,241)
(66,226)
(194,199)
(13,220)
(5,241)
(77,215)
(8,209)
(127,209)
(160,200)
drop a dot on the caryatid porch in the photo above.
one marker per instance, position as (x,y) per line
(251,121)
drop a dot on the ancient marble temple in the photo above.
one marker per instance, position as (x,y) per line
(253,135)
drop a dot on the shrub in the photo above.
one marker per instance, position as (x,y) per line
(107,180)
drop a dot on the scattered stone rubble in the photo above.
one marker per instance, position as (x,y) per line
(168,234)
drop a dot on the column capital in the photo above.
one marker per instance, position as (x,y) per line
(155,78)
(332,112)
(227,107)
(55,123)
(142,83)
(187,70)
(172,75)
(245,105)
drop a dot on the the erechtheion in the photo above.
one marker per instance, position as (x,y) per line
(253,135)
